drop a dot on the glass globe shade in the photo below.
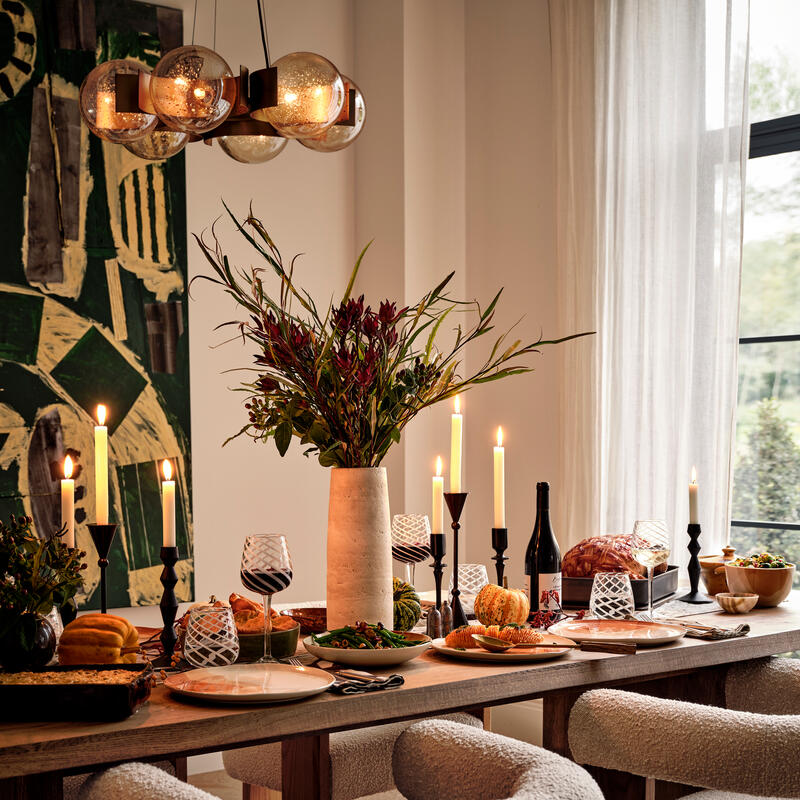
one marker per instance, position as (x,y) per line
(338,137)
(310,96)
(98,104)
(192,89)
(251,149)
(158,145)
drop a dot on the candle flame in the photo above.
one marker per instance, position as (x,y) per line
(457,403)
(499,436)
(438,466)
(694,474)
(166,468)
(101,415)
(67,467)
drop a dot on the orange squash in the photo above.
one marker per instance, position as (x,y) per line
(98,639)
(496,605)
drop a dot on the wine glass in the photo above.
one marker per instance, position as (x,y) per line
(411,541)
(612,596)
(650,547)
(266,569)
(471,579)
(211,638)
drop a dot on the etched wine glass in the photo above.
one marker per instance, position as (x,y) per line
(612,596)
(211,638)
(266,569)
(650,547)
(471,579)
(411,541)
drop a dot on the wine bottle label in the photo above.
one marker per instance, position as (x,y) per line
(549,591)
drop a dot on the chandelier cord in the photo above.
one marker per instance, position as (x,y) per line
(194,20)
(214,46)
(261,16)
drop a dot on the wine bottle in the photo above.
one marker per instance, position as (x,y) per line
(543,558)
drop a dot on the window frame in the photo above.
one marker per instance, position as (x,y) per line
(772,137)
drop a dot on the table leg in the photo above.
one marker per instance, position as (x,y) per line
(46,786)
(706,686)
(306,768)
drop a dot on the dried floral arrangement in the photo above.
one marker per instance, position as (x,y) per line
(348,379)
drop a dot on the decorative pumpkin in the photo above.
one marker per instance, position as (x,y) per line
(407,608)
(98,639)
(498,605)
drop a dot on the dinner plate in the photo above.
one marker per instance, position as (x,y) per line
(618,630)
(518,654)
(250,683)
(370,658)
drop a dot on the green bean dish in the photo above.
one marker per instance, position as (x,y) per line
(363,636)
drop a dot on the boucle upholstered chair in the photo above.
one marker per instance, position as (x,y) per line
(139,782)
(749,747)
(349,751)
(441,760)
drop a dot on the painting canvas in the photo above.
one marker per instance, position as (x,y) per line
(92,293)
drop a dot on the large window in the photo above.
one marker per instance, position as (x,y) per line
(766,489)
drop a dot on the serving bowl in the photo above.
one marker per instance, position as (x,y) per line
(371,658)
(312,620)
(283,644)
(736,602)
(772,585)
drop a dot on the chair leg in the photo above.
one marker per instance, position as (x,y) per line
(252,792)
(181,772)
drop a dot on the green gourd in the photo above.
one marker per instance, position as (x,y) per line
(407,608)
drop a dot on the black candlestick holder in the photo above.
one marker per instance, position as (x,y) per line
(499,545)
(695,596)
(102,536)
(455,505)
(169,603)
(438,549)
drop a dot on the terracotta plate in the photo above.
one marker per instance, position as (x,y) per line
(370,658)
(618,630)
(531,653)
(250,683)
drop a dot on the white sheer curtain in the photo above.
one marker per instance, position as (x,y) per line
(651,145)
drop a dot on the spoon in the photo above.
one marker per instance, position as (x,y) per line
(494,645)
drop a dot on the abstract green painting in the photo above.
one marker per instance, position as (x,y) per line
(92,292)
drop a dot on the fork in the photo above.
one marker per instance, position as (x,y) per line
(295,662)
(643,616)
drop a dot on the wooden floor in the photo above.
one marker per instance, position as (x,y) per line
(219,783)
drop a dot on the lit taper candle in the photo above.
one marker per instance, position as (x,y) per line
(68,503)
(168,505)
(456,425)
(694,518)
(499,482)
(437,517)
(101,467)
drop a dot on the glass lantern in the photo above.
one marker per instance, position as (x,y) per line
(310,96)
(98,104)
(250,149)
(338,137)
(193,89)
(158,145)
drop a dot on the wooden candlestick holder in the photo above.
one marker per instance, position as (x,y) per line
(455,505)
(102,536)
(499,545)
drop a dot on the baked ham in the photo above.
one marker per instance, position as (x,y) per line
(603,554)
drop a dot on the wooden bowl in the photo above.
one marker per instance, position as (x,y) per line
(312,620)
(283,644)
(771,585)
(736,603)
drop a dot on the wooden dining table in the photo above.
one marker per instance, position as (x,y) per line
(35,756)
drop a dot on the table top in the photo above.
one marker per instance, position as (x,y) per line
(434,684)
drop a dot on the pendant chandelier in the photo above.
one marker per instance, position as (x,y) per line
(192,95)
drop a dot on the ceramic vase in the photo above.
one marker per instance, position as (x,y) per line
(359,548)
